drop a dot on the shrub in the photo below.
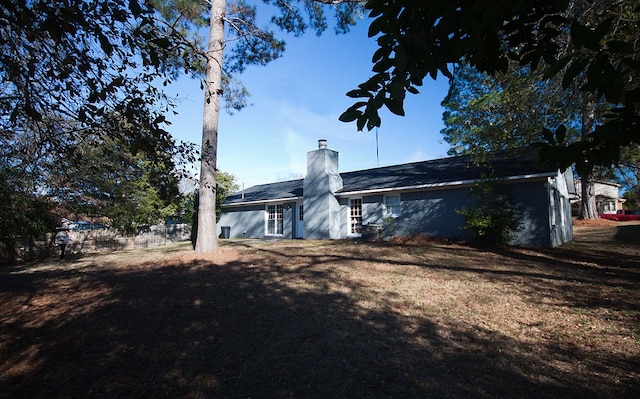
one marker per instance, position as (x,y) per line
(493,218)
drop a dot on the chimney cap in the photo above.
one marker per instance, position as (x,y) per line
(322,144)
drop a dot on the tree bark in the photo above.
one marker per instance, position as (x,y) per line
(206,238)
(588,208)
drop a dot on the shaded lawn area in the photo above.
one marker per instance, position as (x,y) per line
(320,319)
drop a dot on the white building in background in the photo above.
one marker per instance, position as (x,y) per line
(607,196)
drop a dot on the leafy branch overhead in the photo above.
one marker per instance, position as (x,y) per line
(422,38)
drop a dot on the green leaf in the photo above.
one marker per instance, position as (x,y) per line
(378,100)
(580,34)
(561,133)
(395,106)
(362,120)
(383,65)
(377,26)
(573,70)
(352,113)
(357,93)
(401,58)
(105,44)
(374,121)
(412,90)
(548,136)
(135,7)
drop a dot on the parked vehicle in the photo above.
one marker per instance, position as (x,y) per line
(622,215)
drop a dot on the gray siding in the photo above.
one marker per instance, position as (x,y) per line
(250,221)
(245,221)
(433,212)
(533,199)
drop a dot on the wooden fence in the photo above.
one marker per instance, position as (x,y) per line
(87,241)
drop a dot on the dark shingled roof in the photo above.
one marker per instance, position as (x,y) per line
(434,172)
(263,192)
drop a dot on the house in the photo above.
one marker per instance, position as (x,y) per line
(607,197)
(420,197)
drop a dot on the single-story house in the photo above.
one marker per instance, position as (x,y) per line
(419,197)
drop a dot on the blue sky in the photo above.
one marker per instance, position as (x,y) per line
(297,99)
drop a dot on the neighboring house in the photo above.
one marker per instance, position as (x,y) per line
(607,197)
(420,197)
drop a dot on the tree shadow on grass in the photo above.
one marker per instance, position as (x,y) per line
(253,328)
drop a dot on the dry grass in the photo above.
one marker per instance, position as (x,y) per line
(318,319)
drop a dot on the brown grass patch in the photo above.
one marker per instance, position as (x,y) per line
(324,319)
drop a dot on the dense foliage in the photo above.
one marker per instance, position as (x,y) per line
(509,110)
(592,46)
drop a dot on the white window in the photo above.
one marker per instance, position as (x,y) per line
(355,216)
(274,219)
(610,206)
(392,206)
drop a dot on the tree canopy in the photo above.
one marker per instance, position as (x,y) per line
(421,38)
(508,110)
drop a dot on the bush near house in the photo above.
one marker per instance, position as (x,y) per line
(493,218)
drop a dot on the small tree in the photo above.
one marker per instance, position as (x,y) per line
(493,218)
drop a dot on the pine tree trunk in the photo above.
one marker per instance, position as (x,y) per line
(588,209)
(206,239)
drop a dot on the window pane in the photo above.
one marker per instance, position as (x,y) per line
(275,215)
(355,219)
(392,199)
(392,205)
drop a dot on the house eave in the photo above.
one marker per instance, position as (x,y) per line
(445,185)
(258,202)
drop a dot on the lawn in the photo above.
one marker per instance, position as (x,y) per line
(329,319)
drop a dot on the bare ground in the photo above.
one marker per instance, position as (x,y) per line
(320,319)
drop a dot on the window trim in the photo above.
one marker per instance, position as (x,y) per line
(275,219)
(387,208)
(349,217)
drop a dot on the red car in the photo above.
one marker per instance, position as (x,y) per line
(622,215)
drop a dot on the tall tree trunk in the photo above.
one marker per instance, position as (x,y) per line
(588,209)
(206,239)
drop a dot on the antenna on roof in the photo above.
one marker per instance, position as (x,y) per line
(377,152)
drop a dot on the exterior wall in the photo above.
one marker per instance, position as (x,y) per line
(288,220)
(533,201)
(250,221)
(245,221)
(434,213)
(546,215)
